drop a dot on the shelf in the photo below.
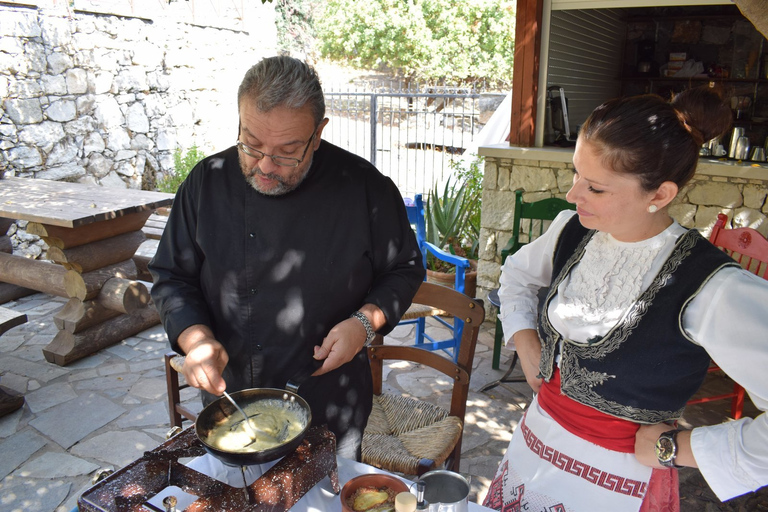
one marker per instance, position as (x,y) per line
(692,79)
(703,17)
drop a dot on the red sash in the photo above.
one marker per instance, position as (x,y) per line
(590,424)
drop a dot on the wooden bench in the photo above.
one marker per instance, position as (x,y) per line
(10,319)
(154,226)
(92,234)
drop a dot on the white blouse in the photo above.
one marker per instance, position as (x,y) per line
(728,318)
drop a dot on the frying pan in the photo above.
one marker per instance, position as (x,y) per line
(221,408)
(217,411)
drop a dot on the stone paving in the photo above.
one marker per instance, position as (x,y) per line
(105,410)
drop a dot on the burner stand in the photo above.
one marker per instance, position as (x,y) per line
(277,490)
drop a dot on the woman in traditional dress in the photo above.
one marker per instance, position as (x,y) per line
(636,306)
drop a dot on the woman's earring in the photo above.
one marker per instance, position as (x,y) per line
(653,208)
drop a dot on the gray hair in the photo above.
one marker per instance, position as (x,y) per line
(283,82)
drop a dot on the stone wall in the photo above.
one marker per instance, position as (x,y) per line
(697,205)
(106,99)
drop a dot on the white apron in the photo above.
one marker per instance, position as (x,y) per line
(548,469)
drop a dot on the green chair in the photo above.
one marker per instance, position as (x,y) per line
(531,220)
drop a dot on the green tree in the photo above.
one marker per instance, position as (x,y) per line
(294,22)
(422,39)
(183,162)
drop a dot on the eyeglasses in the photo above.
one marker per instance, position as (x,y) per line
(283,161)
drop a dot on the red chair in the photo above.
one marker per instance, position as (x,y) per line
(750,249)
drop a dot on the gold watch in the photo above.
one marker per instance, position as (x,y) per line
(666,449)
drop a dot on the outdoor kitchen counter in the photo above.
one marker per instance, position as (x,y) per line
(735,187)
(707,166)
(92,233)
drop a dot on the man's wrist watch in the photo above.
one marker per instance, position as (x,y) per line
(666,449)
(369,332)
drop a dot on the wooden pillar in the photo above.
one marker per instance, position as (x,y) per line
(525,75)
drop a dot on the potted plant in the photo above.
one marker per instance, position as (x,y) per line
(453,224)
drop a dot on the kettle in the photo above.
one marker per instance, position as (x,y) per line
(738,132)
(557,129)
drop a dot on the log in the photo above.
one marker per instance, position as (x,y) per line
(117,296)
(67,347)
(4,225)
(39,275)
(65,238)
(88,257)
(10,319)
(123,295)
(142,267)
(77,315)
(9,292)
(5,244)
(87,286)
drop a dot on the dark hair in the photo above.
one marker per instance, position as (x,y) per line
(656,140)
(283,82)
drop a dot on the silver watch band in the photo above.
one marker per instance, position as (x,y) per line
(369,332)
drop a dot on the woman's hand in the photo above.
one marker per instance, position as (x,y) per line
(205,359)
(528,348)
(645,446)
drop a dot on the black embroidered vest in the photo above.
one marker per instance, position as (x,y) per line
(645,368)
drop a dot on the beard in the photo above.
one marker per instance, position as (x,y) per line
(284,184)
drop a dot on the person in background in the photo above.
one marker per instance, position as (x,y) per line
(636,306)
(283,255)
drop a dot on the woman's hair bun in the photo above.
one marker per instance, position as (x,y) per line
(703,111)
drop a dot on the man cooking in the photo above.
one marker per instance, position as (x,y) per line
(283,251)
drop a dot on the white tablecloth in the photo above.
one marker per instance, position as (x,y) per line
(320,499)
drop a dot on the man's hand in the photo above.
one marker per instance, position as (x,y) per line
(341,345)
(205,359)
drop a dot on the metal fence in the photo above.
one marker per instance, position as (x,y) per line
(413,136)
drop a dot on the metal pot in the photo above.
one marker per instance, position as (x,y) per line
(215,413)
(441,490)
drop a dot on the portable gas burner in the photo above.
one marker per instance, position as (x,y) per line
(135,487)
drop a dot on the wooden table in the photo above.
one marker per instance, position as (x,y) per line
(92,233)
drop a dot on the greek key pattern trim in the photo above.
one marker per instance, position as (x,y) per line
(575,467)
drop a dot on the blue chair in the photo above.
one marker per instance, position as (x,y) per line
(418,313)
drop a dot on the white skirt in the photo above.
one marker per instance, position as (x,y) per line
(546,468)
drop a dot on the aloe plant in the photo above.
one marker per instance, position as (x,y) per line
(448,219)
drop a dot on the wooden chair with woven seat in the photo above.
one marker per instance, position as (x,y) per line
(411,436)
(418,313)
(177,410)
(750,249)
